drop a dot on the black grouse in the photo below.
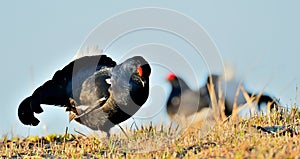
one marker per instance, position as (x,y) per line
(184,101)
(98,93)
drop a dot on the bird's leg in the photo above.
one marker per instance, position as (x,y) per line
(72,116)
(72,108)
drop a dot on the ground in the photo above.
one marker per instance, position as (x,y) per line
(229,138)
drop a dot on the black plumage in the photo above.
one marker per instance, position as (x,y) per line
(99,93)
(229,89)
(185,101)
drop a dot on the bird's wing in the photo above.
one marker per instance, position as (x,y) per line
(95,116)
(189,102)
(94,93)
(67,82)
(72,76)
(96,87)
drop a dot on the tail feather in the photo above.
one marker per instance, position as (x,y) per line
(51,93)
(59,89)
(265,99)
(48,93)
(26,113)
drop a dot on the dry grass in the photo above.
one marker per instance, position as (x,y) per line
(234,138)
(231,139)
(211,136)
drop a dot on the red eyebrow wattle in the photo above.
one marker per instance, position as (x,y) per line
(140,71)
(171,76)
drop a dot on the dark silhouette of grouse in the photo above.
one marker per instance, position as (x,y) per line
(184,101)
(97,92)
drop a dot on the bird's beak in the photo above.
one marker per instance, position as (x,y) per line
(143,83)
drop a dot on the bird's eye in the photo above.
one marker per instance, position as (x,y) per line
(140,71)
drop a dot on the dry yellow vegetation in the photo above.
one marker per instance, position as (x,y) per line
(234,138)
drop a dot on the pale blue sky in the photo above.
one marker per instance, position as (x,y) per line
(260,39)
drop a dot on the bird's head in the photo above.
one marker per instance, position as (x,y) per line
(173,79)
(135,70)
(140,71)
(130,81)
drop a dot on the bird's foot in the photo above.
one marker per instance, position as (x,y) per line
(72,116)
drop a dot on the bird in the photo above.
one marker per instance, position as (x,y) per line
(96,91)
(184,101)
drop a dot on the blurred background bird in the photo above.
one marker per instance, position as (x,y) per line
(184,101)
